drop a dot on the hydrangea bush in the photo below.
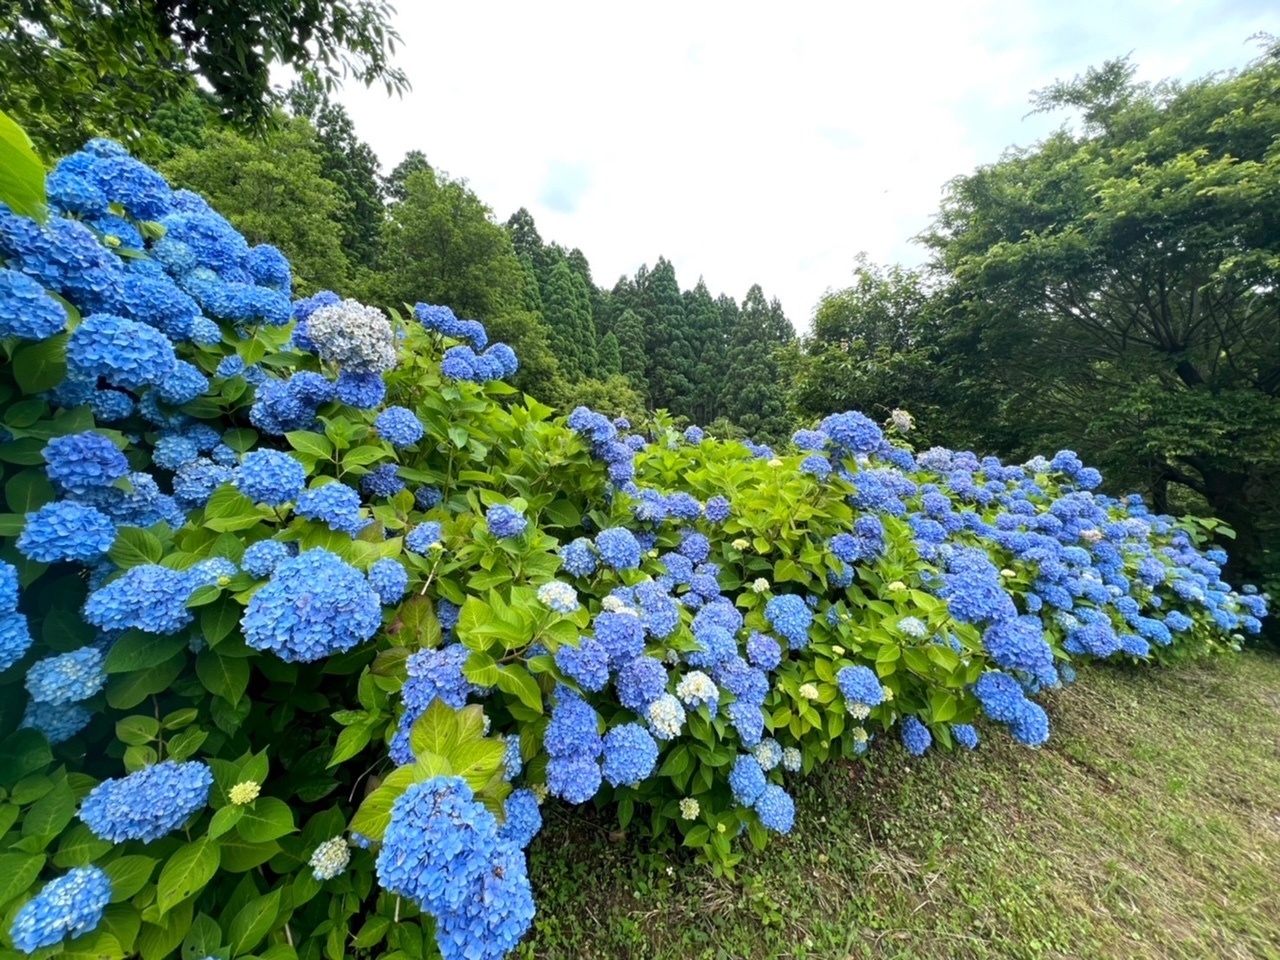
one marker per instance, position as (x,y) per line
(305,614)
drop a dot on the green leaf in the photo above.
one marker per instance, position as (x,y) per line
(186,873)
(128,690)
(129,875)
(252,923)
(268,818)
(51,813)
(225,818)
(138,730)
(18,872)
(229,509)
(372,932)
(435,731)
(304,441)
(227,677)
(217,620)
(79,847)
(351,741)
(481,669)
(158,940)
(135,547)
(21,753)
(203,940)
(458,434)
(363,456)
(141,651)
(517,681)
(28,491)
(697,836)
(476,761)
(21,172)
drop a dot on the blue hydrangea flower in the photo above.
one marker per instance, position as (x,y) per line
(80,462)
(853,432)
(763,651)
(1019,644)
(382,481)
(182,384)
(124,353)
(65,530)
(522,819)
(230,366)
(147,597)
(574,728)
(915,736)
(58,722)
(1001,696)
(618,548)
(695,546)
(639,683)
(389,580)
(776,809)
(790,616)
(314,605)
(965,735)
(67,906)
(694,435)
(262,557)
(575,778)
(149,803)
(422,537)
(8,587)
(505,521)
(15,639)
(577,558)
(67,678)
(630,754)
(717,509)
(172,452)
(364,391)
(399,426)
(432,674)
(587,663)
(860,688)
(196,481)
(746,779)
(26,310)
(335,504)
(621,634)
(1031,726)
(270,477)
(110,405)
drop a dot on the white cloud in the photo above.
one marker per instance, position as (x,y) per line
(752,143)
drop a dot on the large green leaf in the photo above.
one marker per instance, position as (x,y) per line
(186,873)
(21,172)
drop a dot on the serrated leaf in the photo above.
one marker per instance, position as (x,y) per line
(135,547)
(252,923)
(141,651)
(187,871)
(268,818)
(18,872)
(435,731)
(518,682)
(129,875)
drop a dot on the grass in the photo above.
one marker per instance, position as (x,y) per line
(1149,827)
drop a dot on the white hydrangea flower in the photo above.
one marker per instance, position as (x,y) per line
(357,338)
(559,596)
(666,716)
(244,792)
(901,420)
(859,711)
(695,688)
(330,858)
(791,759)
(741,544)
(760,585)
(690,808)
(808,691)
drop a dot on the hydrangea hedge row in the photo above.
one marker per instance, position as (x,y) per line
(305,613)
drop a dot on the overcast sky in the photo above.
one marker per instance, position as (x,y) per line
(755,143)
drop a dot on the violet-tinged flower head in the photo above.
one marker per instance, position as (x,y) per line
(791,617)
(399,426)
(505,521)
(1001,696)
(330,858)
(438,318)
(522,819)
(915,736)
(717,509)
(26,310)
(270,477)
(639,683)
(618,548)
(196,481)
(1031,725)
(558,596)
(68,906)
(694,435)
(335,504)
(811,440)
(776,809)
(860,688)
(67,677)
(356,338)
(124,353)
(149,803)
(427,497)
(389,580)
(314,605)
(382,481)
(748,720)
(264,556)
(694,546)
(763,651)
(587,664)
(65,530)
(147,597)
(80,462)
(630,754)
(578,558)
(965,735)
(746,779)
(666,717)
(423,537)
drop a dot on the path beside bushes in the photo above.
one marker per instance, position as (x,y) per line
(1148,827)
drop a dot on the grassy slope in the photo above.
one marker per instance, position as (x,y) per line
(1148,827)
